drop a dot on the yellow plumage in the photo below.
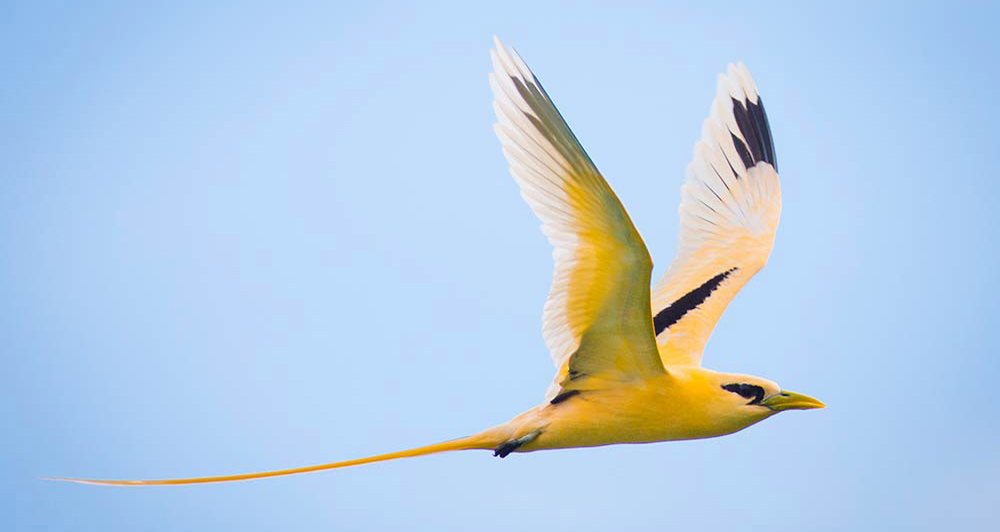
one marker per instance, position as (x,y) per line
(628,360)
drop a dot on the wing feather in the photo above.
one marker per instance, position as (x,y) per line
(730,206)
(596,321)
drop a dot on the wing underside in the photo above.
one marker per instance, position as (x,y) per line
(596,321)
(730,206)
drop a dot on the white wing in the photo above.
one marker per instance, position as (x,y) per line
(596,321)
(730,206)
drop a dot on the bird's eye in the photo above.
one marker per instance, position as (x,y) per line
(747,391)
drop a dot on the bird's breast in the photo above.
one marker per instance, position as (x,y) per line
(636,414)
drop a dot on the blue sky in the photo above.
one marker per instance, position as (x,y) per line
(249,237)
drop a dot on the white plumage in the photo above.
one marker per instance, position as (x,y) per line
(602,268)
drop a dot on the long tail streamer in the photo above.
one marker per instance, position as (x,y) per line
(461,444)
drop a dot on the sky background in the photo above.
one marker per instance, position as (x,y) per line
(249,237)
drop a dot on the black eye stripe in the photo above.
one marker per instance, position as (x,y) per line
(746,391)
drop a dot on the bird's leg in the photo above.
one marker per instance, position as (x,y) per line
(510,446)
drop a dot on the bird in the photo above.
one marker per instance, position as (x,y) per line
(627,356)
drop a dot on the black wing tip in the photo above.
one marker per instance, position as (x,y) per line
(751,119)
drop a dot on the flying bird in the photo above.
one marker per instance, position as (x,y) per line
(628,358)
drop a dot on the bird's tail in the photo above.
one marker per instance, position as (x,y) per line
(477,441)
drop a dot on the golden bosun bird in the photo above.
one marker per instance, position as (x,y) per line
(629,361)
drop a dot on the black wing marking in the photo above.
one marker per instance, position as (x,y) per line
(751,119)
(688,302)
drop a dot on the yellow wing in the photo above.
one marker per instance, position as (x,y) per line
(730,205)
(596,321)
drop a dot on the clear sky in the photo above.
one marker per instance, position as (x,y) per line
(249,237)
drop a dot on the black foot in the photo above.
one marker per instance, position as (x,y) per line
(506,448)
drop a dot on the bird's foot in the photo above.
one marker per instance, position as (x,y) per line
(510,446)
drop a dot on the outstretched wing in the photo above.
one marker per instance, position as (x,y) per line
(730,205)
(596,321)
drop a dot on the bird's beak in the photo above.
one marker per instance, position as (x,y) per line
(791,401)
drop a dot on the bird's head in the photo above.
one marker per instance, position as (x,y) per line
(717,403)
(709,403)
(754,396)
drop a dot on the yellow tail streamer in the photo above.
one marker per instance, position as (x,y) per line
(461,444)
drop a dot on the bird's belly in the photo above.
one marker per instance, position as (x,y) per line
(591,420)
